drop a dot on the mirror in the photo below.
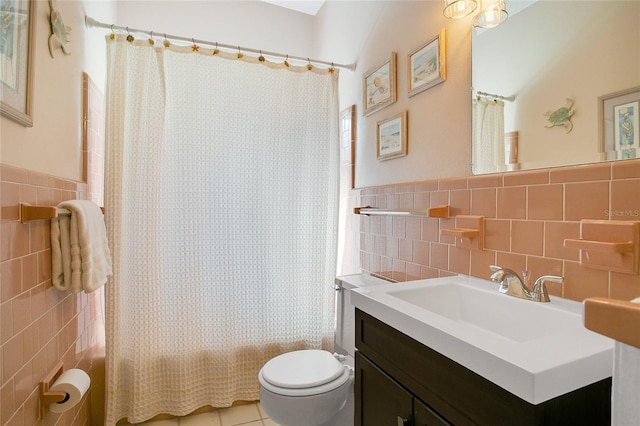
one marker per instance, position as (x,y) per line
(557,84)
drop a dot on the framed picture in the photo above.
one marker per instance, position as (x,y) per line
(625,127)
(620,124)
(348,142)
(427,65)
(16,59)
(392,137)
(379,86)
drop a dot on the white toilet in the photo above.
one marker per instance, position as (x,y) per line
(315,387)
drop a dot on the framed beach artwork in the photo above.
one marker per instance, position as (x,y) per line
(392,137)
(427,65)
(16,59)
(625,127)
(379,86)
(620,124)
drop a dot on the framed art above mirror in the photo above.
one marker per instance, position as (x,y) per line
(541,77)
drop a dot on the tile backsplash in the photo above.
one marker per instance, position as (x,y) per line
(528,214)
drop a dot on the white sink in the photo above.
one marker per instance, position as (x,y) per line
(535,350)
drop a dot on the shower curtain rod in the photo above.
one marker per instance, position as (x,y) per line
(491,95)
(92,23)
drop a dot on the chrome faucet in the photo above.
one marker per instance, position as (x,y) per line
(513,285)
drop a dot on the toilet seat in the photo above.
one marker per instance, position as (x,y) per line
(303,373)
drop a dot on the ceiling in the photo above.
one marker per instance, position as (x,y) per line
(309,7)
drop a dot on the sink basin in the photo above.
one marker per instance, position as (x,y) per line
(535,350)
(488,310)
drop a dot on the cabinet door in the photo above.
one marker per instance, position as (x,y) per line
(379,400)
(425,416)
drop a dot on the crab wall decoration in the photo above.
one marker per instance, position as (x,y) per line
(58,38)
(561,116)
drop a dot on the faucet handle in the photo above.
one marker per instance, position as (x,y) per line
(539,292)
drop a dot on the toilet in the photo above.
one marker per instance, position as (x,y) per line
(314,387)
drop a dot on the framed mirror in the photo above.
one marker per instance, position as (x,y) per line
(546,85)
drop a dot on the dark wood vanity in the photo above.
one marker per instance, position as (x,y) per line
(400,381)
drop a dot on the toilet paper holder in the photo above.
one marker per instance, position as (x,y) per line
(51,397)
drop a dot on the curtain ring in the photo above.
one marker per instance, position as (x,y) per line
(286,61)
(151,41)
(129,36)
(166,42)
(309,66)
(216,51)
(195,47)
(240,55)
(112,35)
(261,58)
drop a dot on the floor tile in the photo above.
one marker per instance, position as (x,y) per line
(261,410)
(269,422)
(166,422)
(202,419)
(239,414)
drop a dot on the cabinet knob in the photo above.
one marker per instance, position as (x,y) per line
(403,422)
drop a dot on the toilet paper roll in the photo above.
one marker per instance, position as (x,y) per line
(74,383)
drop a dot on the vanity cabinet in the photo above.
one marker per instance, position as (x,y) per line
(387,402)
(400,381)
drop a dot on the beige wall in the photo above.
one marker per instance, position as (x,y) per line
(54,144)
(438,119)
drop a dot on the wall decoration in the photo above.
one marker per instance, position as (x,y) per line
(427,65)
(625,126)
(379,86)
(392,137)
(561,116)
(620,124)
(58,38)
(16,59)
(348,142)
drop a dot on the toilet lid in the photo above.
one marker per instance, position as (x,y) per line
(302,369)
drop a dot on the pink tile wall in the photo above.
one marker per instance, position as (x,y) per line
(528,215)
(39,325)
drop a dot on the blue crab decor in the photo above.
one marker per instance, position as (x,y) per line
(58,38)
(561,116)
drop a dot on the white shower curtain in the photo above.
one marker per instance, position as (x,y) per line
(488,136)
(221,197)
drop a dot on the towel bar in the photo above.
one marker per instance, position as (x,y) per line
(29,212)
(439,211)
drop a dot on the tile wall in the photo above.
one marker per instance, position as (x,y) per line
(528,215)
(39,325)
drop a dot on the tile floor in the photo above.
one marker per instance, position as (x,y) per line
(245,415)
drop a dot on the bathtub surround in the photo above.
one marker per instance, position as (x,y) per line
(527,214)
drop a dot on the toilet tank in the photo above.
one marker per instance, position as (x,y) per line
(345,311)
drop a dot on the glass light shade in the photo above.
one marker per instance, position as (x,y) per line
(492,13)
(459,8)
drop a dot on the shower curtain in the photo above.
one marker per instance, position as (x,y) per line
(221,198)
(488,136)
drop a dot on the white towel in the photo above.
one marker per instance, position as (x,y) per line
(625,408)
(80,257)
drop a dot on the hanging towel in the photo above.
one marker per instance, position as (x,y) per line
(80,257)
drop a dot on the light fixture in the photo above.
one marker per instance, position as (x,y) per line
(492,13)
(459,8)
